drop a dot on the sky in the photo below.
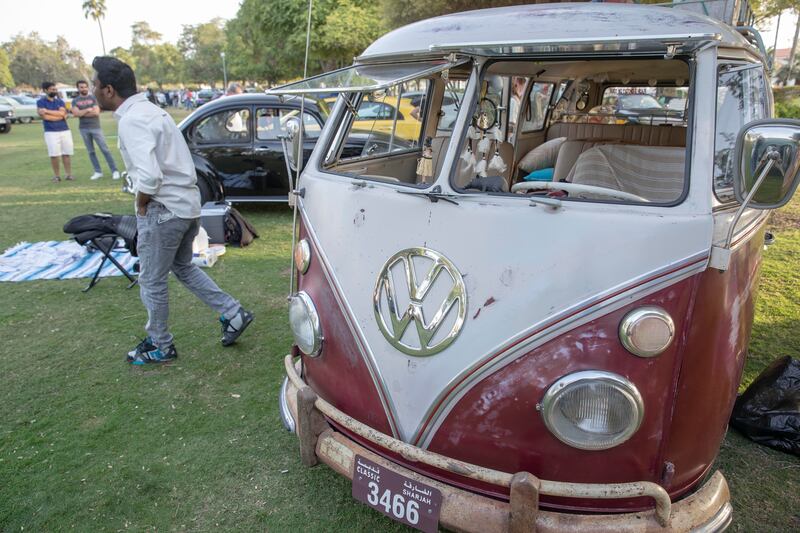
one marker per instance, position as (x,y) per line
(65,17)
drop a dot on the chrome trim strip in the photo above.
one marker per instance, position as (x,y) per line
(283,407)
(542,332)
(347,312)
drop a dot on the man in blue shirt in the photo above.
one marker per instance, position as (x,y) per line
(57,136)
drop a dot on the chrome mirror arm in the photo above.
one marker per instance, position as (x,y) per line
(721,255)
(772,157)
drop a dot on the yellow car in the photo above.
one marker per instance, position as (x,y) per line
(378,115)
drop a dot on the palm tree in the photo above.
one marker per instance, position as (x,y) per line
(96,9)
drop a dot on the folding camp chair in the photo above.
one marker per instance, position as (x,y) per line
(103,231)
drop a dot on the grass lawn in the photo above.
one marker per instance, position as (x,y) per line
(89,444)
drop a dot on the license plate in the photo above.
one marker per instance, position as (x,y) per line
(398,497)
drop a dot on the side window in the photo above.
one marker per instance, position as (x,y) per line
(536,110)
(388,121)
(741,98)
(271,123)
(228,126)
(451,103)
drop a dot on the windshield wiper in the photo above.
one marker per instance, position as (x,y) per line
(434,195)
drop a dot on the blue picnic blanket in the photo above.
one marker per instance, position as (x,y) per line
(29,261)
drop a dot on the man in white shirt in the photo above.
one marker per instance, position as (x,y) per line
(167,211)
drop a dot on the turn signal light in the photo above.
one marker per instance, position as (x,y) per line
(646,331)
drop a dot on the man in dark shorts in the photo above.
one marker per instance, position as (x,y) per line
(57,136)
(84,106)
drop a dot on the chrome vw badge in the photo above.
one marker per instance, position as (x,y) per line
(440,294)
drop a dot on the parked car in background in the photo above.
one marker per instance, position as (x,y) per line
(67,94)
(6,116)
(24,107)
(205,96)
(236,146)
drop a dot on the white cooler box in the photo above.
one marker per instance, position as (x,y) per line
(212,218)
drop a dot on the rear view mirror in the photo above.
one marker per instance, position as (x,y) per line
(771,145)
(295,142)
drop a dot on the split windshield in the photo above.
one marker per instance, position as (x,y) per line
(600,130)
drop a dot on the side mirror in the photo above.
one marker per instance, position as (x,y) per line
(771,145)
(295,142)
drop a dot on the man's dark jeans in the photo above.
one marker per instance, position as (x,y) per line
(95,135)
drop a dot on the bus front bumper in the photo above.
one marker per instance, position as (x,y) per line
(707,509)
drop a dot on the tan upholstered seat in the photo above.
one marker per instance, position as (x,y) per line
(622,133)
(582,137)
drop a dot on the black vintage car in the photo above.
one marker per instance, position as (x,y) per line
(237,151)
(236,147)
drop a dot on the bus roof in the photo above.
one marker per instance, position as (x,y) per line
(561,23)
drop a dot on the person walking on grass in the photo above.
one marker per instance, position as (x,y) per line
(84,106)
(167,211)
(57,136)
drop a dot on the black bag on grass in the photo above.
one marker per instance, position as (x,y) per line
(768,412)
(238,230)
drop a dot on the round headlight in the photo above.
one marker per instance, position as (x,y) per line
(304,321)
(592,410)
(646,331)
(302,255)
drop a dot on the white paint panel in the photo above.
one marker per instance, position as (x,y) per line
(532,261)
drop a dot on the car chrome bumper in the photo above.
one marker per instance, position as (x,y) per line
(708,509)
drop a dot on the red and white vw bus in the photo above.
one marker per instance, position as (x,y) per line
(524,301)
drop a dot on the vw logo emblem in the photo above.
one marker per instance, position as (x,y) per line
(440,293)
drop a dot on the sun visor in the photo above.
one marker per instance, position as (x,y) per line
(668,45)
(366,78)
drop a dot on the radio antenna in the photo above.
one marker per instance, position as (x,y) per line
(294,193)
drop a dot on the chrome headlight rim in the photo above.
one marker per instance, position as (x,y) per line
(313,317)
(630,320)
(303,249)
(622,384)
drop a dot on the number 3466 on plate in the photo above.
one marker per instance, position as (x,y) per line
(398,497)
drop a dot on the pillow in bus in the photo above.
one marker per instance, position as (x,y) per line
(543,174)
(543,156)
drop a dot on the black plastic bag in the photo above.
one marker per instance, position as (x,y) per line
(768,412)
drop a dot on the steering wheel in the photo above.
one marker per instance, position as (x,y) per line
(576,190)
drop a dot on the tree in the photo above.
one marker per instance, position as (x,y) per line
(348,30)
(96,9)
(33,60)
(201,45)
(143,34)
(401,12)
(6,79)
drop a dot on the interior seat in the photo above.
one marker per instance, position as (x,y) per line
(655,173)
(658,135)
(583,137)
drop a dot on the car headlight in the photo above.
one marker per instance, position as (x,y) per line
(646,331)
(592,409)
(304,321)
